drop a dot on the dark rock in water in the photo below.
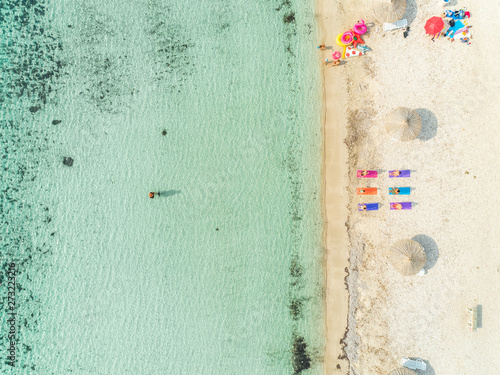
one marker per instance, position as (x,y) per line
(164,132)
(68,161)
(34,109)
(56,122)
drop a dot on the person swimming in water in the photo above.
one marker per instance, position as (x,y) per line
(152,194)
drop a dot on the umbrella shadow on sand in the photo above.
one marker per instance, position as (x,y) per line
(429,124)
(411,11)
(428,371)
(430,248)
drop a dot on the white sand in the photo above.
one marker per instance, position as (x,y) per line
(456,88)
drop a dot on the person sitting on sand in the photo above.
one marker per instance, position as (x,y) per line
(395,173)
(396,206)
(322,47)
(362,207)
(395,191)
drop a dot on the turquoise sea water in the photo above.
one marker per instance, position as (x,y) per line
(215,104)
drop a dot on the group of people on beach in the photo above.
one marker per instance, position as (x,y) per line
(392,190)
(327,62)
(454,26)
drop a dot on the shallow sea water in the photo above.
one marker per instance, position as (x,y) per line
(215,104)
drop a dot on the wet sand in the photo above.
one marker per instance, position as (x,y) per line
(335,170)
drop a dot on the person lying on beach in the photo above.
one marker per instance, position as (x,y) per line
(332,63)
(399,173)
(396,190)
(368,207)
(322,47)
(366,191)
(401,206)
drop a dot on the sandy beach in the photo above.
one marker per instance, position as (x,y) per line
(454,87)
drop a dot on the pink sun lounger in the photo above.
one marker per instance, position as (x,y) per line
(369,174)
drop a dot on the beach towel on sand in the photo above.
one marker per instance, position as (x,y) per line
(404,206)
(366,191)
(404,173)
(369,206)
(402,190)
(370,174)
(351,52)
(459,25)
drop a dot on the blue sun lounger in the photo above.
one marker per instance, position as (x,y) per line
(369,206)
(402,190)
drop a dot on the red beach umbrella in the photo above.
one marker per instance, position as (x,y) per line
(434,25)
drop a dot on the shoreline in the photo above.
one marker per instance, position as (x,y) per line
(335,168)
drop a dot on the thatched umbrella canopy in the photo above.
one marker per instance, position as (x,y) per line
(407,256)
(402,371)
(403,124)
(389,10)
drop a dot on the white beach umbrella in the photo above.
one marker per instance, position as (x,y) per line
(403,124)
(407,256)
(402,371)
(389,10)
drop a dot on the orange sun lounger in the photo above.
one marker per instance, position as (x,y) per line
(366,191)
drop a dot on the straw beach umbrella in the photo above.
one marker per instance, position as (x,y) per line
(389,10)
(407,256)
(403,124)
(402,371)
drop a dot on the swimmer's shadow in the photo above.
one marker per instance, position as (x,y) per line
(169,193)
